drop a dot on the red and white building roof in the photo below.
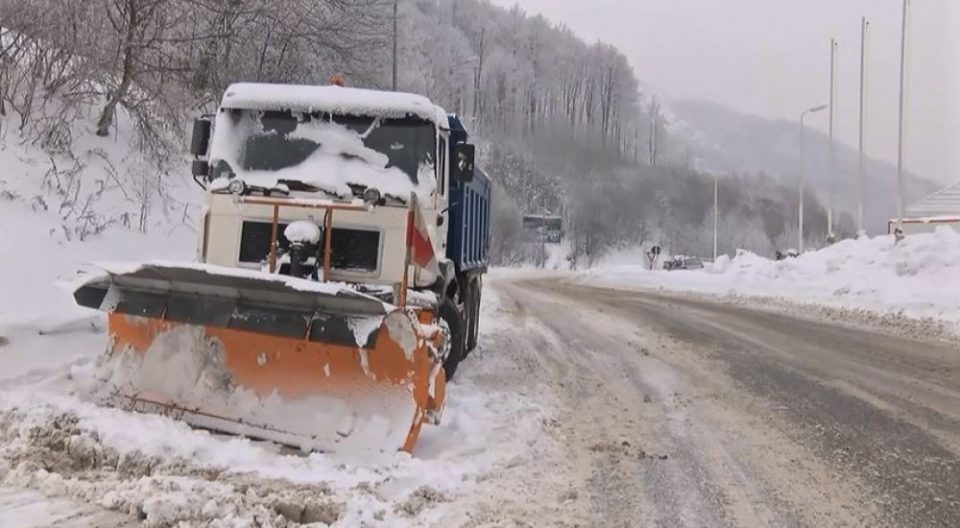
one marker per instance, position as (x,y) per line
(940,208)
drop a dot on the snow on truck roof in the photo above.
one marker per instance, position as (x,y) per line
(332,99)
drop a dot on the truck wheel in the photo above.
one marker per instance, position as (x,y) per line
(473,313)
(449,314)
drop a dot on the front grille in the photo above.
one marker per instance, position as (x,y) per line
(351,249)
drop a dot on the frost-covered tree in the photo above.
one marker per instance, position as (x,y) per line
(561,123)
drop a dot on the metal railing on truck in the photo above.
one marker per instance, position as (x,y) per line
(329,206)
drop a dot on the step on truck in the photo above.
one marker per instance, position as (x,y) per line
(339,272)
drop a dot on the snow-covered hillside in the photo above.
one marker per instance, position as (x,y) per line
(100,200)
(919,277)
(725,141)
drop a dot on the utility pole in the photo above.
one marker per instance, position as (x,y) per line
(395,45)
(864,25)
(716,213)
(803,179)
(833,170)
(903,63)
(803,170)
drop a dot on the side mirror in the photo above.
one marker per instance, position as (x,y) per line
(200,139)
(463,155)
(200,168)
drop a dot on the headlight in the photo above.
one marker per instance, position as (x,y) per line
(237,186)
(371,195)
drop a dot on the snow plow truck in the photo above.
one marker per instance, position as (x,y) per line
(338,277)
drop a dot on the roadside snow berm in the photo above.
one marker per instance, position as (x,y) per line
(324,312)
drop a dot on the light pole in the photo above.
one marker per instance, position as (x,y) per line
(716,213)
(833,170)
(864,26)
(395,45)
(903,63)
(803,168)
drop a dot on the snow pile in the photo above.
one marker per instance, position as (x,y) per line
(61,454)
(163,472)
(93,198)
(39,264)
(919,277)
(302,231)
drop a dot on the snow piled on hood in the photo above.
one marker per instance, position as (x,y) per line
(341,159)
(919,277)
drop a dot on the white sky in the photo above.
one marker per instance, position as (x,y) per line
(771,58)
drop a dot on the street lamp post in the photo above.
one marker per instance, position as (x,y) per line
(833,161)
(803,169)
(395,45)
(864,26)
(903,63)
(716,213)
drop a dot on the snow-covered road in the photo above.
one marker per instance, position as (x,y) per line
(746,417)
(581,407)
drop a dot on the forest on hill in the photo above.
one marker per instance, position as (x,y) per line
(563,125)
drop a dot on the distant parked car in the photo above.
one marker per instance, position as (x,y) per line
(681,262)
(790,253)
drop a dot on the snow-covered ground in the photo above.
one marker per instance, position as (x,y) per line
(62,457)
(918,278)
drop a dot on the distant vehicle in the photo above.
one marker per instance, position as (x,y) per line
(548,228)
(681,262)
(790,253)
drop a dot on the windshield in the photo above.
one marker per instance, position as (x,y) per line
(324,151)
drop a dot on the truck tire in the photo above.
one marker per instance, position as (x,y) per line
(473,314)
(449,314)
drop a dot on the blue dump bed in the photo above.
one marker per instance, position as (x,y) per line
(468,236)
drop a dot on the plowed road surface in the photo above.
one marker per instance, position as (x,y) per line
(680,411)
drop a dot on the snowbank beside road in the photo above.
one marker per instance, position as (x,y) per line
(37,262)
(124,462)
(103,200)
(919,278)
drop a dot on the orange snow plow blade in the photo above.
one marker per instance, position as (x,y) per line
(268,358)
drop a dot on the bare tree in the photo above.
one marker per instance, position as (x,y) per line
(655,114)
(138,25)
